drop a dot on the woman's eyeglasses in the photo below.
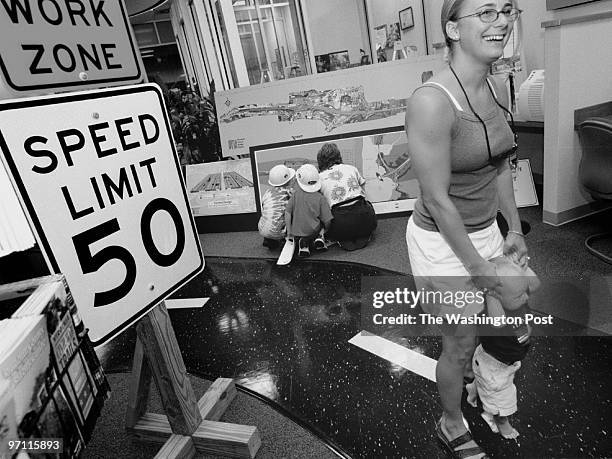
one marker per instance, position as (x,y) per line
(488,16)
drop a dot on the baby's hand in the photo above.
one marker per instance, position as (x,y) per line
(513,257)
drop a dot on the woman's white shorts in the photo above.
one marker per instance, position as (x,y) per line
(436,268)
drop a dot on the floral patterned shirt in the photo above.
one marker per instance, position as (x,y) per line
(340,183)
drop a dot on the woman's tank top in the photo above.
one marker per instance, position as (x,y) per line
(473,181)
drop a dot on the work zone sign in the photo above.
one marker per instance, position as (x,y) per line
(98,174)
(65,44)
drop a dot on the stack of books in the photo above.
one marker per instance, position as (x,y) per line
(51,381)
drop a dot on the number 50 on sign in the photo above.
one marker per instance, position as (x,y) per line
(99,176)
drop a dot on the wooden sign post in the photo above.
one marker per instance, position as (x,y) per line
(188,426)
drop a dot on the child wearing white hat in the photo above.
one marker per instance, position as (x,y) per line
(307,212)
(272,222)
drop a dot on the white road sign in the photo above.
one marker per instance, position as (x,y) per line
(100,178)
(65,44)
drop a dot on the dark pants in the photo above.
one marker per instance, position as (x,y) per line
(353,220)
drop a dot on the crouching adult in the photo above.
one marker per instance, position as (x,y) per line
(342,185)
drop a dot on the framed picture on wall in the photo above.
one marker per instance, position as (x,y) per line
(322,61)
(339,60)
(406,18)
(381,35)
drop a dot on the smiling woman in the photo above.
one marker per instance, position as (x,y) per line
(460,142)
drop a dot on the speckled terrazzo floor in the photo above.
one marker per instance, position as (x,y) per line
(283,332)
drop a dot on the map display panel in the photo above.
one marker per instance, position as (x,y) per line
(371,97)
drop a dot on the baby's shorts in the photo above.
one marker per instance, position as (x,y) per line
(494,382)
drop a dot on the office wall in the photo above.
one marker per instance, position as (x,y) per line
(432,18)
(535,14)
(336,25)
(578,62)
(383,12)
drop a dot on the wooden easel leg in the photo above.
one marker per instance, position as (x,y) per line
(177,446)
(183,431)
(166,362)
(140,385)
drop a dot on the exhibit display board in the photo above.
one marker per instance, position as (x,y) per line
(381,156)
(370,97)
(99,176)
(221,188)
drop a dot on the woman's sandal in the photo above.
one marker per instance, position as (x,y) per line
(451,445)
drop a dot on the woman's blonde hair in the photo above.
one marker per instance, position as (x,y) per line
(450,10)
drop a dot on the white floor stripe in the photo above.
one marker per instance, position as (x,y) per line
(397,354)
(181,303)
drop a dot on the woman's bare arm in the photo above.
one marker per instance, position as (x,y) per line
(429,123)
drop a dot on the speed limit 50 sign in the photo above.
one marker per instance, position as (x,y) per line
(100,178)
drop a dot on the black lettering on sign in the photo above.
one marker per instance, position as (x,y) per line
(93,58)
(125,132)
(147,163)
(79,10)
(67,52)
(108,55)
(136,179)
(11,10)
(27,146)
(51,12)
(69,148)
(118,188)
(66,59)
(98,138)
(73,212)
(43,11)
(94,185)
(98,12)
(168,206)
(141,119)
(91,263)
(34,68)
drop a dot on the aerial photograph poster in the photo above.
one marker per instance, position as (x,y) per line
(342,102)
(221,188)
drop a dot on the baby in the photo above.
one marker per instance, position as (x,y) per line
(501,349)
